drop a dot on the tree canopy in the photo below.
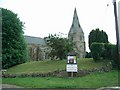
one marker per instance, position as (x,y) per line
(13,44)
(59,46)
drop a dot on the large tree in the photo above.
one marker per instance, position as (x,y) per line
(59,46)
(13,43)
(97,36)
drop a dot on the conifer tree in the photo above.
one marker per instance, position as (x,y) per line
(97,36)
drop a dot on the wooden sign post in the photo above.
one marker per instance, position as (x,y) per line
(71,66)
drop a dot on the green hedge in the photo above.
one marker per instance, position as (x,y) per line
(104,51)
(97,50)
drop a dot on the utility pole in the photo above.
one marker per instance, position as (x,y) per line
(117,31)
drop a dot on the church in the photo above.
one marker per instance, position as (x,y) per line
(76,36)
(38,49)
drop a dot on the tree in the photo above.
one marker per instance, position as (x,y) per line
(13,42)
(97,36)
(60,46)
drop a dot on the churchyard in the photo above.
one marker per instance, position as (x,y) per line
(52,74)
(26,62)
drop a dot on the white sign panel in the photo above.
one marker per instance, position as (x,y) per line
(71,68)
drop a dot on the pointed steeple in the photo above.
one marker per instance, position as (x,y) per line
(75,22)
(75,27)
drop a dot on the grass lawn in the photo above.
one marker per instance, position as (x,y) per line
(94,80)
(49,66)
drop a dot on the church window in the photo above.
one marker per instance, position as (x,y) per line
(30,51)
(37,53)
(35,49)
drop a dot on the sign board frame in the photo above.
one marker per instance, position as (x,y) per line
(71,64)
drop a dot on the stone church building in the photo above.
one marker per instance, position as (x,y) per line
(38,49)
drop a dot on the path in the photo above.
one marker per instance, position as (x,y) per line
(9,86)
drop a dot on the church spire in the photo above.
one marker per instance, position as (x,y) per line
(75,14)
(75,22)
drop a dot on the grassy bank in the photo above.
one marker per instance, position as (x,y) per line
(49,66)
(94,80)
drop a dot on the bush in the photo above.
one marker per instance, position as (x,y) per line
(110,51)
(88,55)
(115,61)
(105,51)
(97,50)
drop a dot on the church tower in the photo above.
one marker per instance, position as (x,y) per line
(76,36)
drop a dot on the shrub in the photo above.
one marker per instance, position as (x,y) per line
(106,51)
(113,55)
(97,50)
(88,55)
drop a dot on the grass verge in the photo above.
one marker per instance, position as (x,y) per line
(94,80)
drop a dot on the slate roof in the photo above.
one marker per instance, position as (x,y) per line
(35,40)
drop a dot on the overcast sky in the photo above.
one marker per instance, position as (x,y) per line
(44,17)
